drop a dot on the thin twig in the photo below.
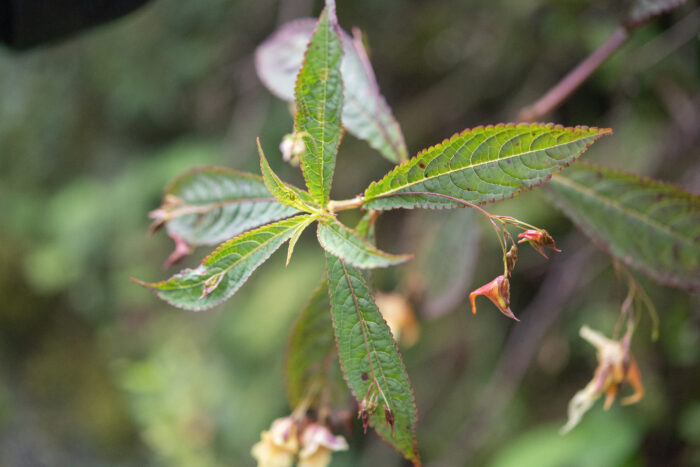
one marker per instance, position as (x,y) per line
(576,77)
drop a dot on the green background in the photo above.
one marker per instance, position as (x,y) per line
(94,370)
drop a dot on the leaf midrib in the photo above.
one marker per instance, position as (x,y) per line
(235,263)
(624,209)
(471,166)
(368,341)
(364,247)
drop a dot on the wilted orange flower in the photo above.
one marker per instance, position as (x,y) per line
(539,239)
(498,291)
(615,366)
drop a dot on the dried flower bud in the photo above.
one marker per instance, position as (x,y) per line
(389,417)
(511,258)
(538,239)
(498,291)
(616,365)
(368,406)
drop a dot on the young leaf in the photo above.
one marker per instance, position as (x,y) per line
(310,348)
(366,114)
(284,193)
(226,269)
(319,100)
(295,236)
(353,249)
(646,224)
(481,165)
(208,205)
(370,359)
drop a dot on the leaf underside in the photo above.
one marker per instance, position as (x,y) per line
(319,100)
(353,249)
(482,165)
(226,269)
(362,336)
(208,205)
(646,224)
(365,114)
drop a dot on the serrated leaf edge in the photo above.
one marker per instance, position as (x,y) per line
(153,286)
(299,203)
(393,192)
(605,245)
(334,25)
(416,460)
(397,259)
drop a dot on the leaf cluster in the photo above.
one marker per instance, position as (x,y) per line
(652,226)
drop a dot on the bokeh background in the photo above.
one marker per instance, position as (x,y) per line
(96,371)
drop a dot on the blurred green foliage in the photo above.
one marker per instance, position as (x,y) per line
(96,371)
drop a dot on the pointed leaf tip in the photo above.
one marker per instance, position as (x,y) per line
(345,243)
(285,193)
(226,269)
(370,360)
(481,165)
(319,100)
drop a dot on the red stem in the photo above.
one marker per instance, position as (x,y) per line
(571,82)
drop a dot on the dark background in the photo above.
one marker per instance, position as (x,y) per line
(96,371)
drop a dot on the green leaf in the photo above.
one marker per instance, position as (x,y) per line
(481,165)
(355,250)
(311,348)
(646,224)
(284,193)
(319,100)
(295,236)
(208,205)
(369,356)
(366,114)
(226,269)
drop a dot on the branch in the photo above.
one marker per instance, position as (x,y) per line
(576,77)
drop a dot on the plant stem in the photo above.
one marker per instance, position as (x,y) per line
(571,82)
(344,205)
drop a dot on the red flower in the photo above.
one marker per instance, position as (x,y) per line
(539,239)
(498,291)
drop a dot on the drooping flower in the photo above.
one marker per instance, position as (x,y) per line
(538,239)
(498,291)
(277,447)
(616,365)
(318,443)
